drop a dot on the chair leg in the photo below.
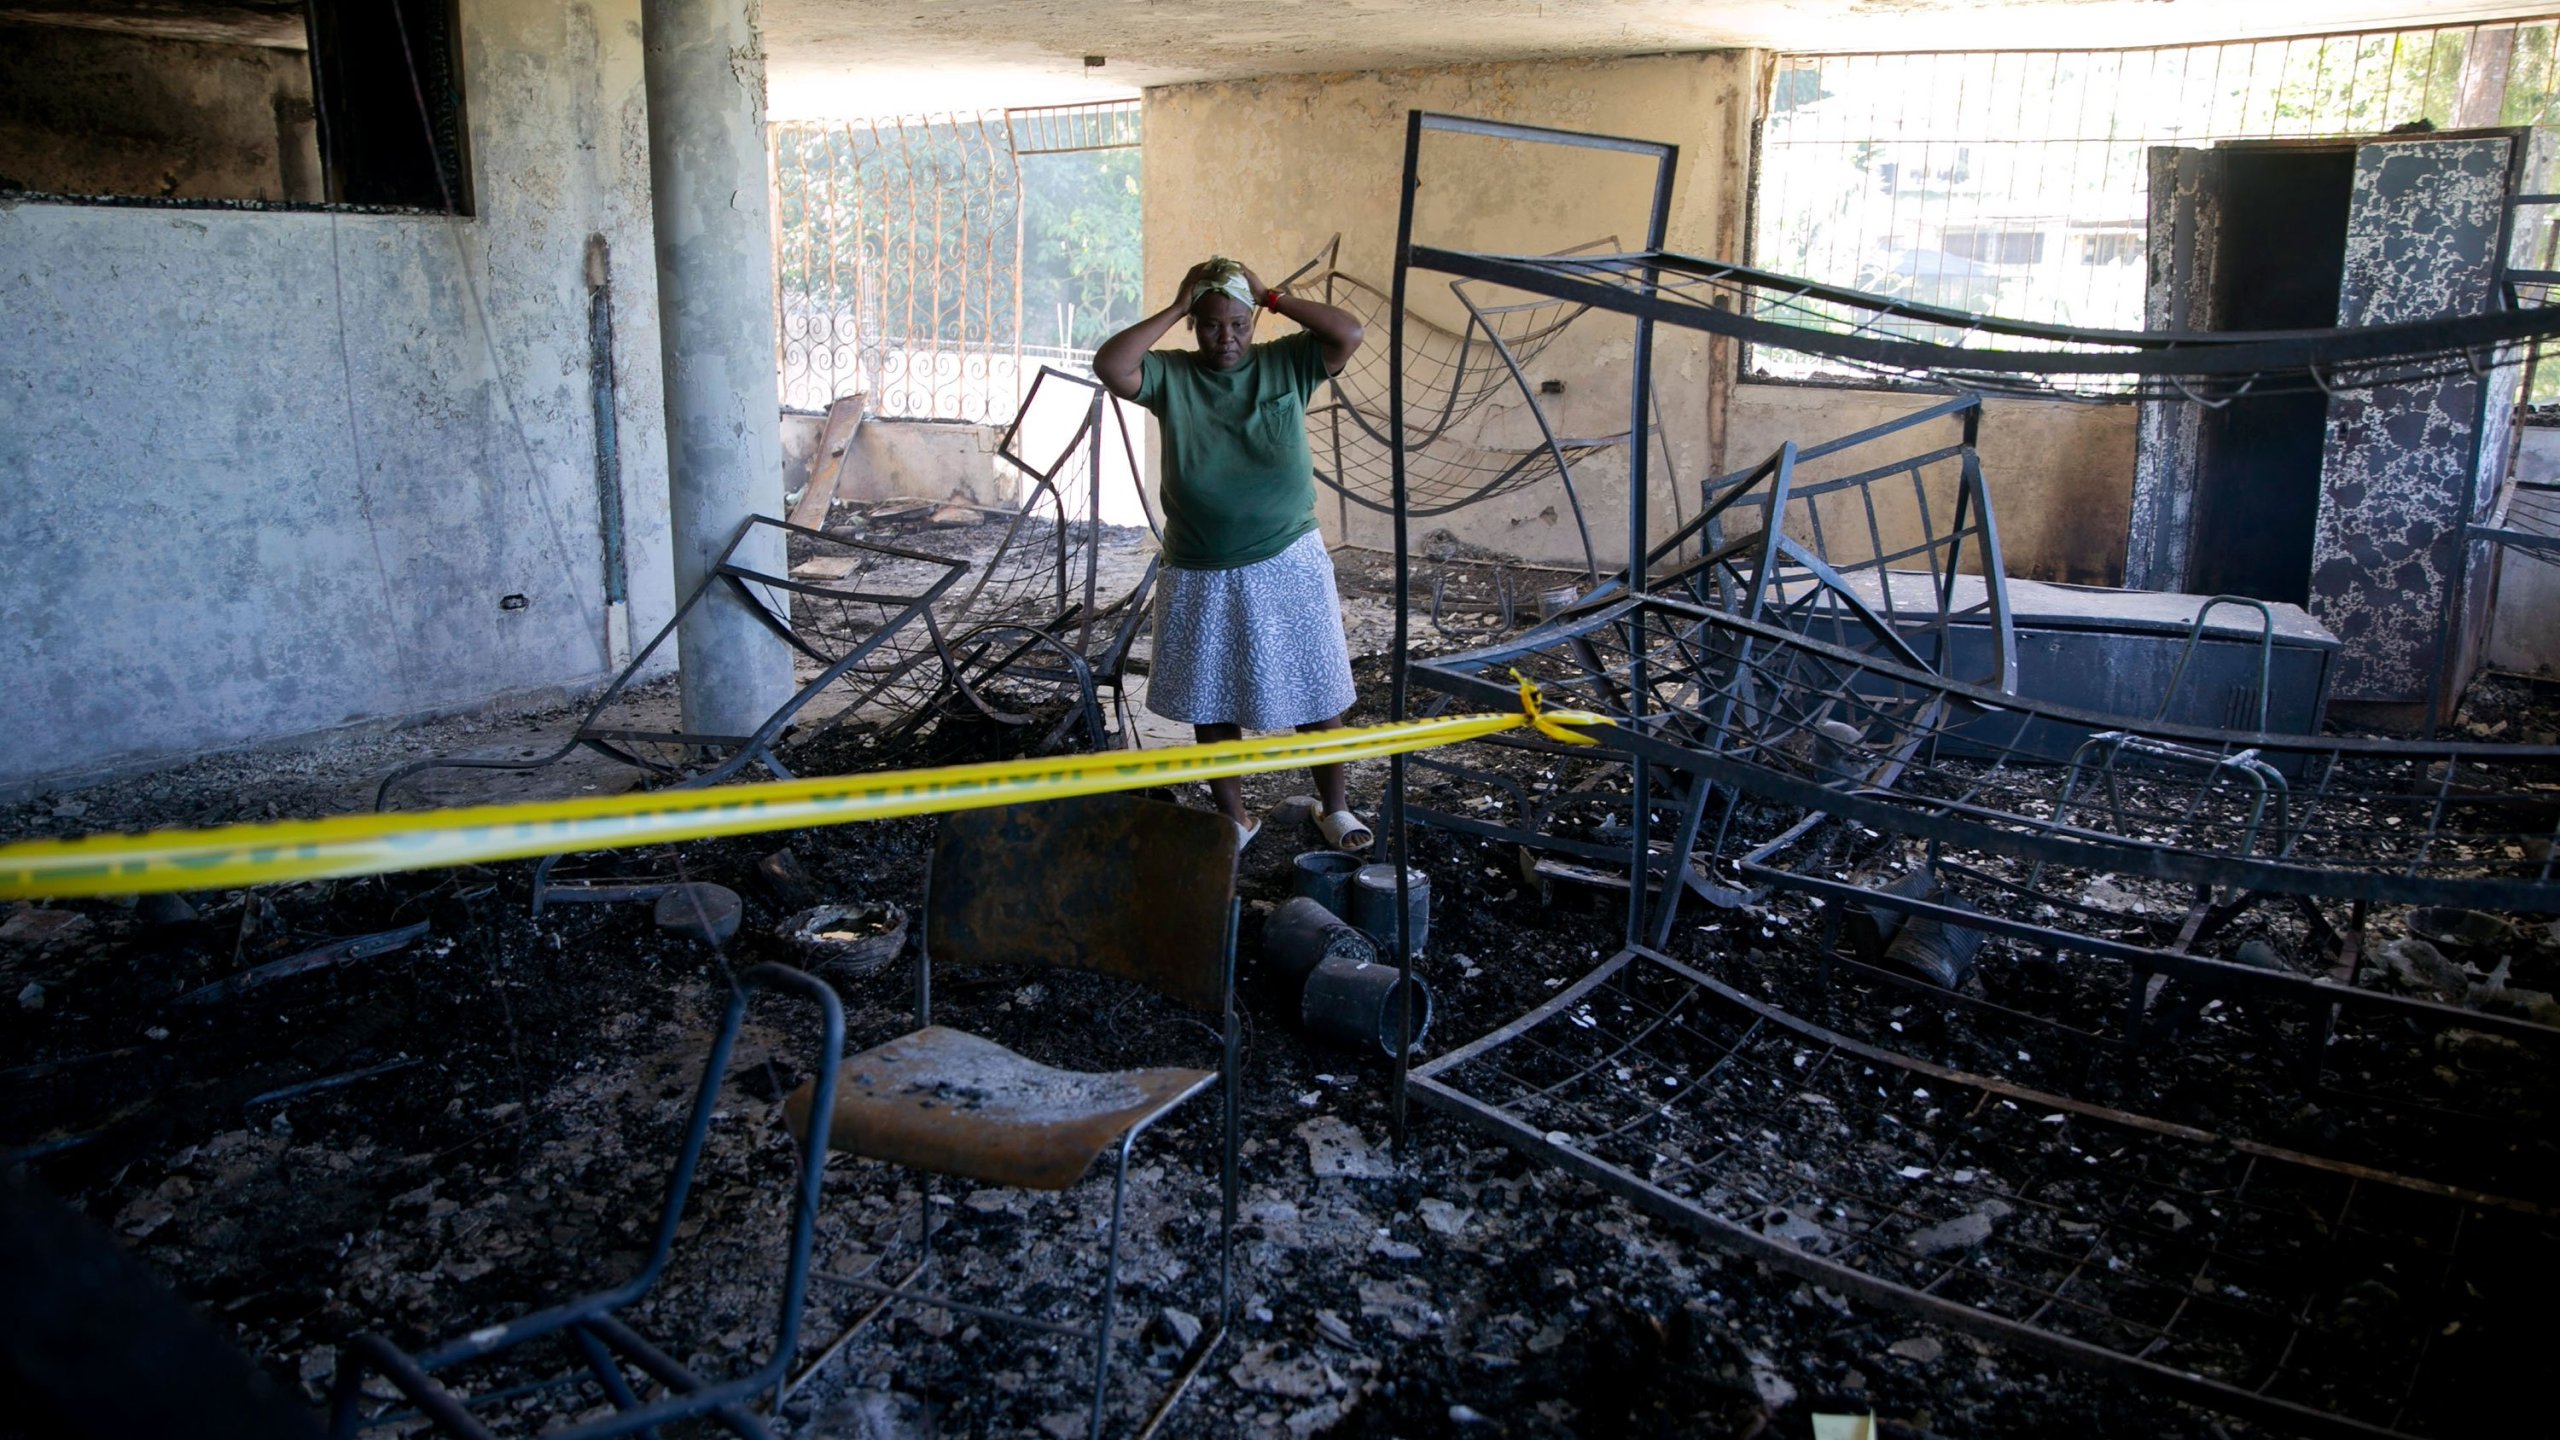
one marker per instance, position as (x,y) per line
(1227,1180)
(1110,1288)
(889,1295)
(608,1374)
(433,1400)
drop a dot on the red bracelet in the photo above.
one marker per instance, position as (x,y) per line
(1271,301)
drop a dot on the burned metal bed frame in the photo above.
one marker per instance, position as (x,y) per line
(843,630)
(1905,340)
(1032,620)
(1035,621)
(1815,729)
(1654,286)
(1852,582)
(1759,673)
(2239,1276)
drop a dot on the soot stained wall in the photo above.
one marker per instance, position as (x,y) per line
(86,112)
(266,474)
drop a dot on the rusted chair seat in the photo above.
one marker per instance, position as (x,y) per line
(947,1101)
(1132,889)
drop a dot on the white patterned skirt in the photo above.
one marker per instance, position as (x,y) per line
(1258,646)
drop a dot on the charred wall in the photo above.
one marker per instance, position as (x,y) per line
(91,112)
(269,473)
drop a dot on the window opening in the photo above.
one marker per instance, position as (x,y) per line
(2016,182)
(933,264)
(290,103)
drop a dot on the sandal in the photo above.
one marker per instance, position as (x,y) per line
(1245,834)
(1345,832)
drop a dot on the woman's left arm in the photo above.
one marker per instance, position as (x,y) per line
(1336,331)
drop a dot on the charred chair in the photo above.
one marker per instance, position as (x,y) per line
(609,1351)
(1131,889)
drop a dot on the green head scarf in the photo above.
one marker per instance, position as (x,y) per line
(1222,277)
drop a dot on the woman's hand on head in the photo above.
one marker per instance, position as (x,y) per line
(1252,282)
(1191,278)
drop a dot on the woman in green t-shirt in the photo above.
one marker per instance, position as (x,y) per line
(1248,629)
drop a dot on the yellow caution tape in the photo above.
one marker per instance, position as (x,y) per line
(271,853)
(1552,723)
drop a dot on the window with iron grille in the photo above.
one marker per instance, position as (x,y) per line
(933,264)
(2015,182)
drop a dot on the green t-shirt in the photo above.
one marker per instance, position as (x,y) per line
(1239,485)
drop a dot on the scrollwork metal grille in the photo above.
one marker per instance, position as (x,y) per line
(897,268)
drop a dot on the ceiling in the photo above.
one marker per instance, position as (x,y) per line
(878,57)
(888,57)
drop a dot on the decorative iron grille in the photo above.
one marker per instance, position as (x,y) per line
(897,265)
(1070,129)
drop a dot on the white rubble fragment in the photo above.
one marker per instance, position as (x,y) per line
(1336,1150)
(1774,1390)
(1442,1218)
(1180,1326)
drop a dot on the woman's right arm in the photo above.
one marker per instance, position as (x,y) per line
(1115,362)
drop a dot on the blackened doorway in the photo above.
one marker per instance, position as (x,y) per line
(2280,264)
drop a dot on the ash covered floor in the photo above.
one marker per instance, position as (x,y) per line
(521,1083)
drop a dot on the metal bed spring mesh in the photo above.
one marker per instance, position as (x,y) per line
(1902,543)
(2097,968)
(1760,708)
(1353,458)
(2241,1277)
(836,595)
(1878,515)
(1676,707)
(905,666)
(1449,375)
(1793,730)
(1048,564)
(1044,577)
(1902,339)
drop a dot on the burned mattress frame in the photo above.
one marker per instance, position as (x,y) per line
(896,628)
(2237,1276)
(1763,683)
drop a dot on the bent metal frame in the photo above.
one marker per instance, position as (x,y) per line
(1813,729)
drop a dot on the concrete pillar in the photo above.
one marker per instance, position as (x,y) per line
(705,76)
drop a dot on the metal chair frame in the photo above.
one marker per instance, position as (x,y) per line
(592,1326)
(1227,1077)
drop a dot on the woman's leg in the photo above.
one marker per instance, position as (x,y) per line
(1229,792)
(1332,790)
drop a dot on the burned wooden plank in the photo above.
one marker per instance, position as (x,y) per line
(828,463)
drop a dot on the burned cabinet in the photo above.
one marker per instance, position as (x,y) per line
(2350,503)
